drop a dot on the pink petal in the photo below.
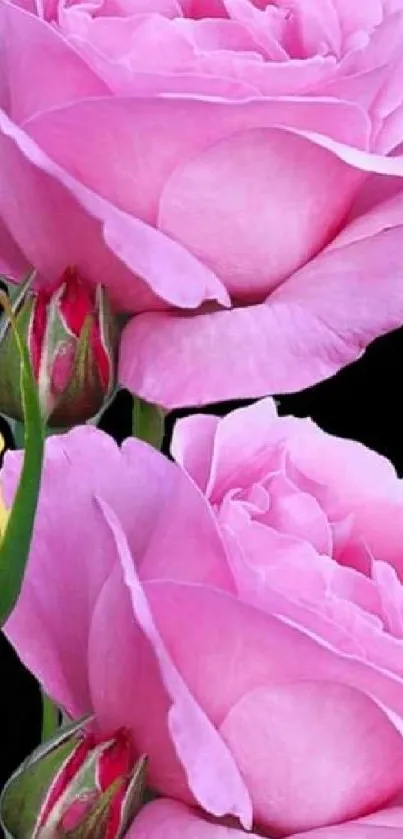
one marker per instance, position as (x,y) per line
(172,530)
(50,625)
(386,824)
(391,817)
(139,168)
(270,176)
(12,262)
(383,215)
(350,480)
(245,447)
(234,451)
(33,51)
(287,641)
(63,223)
(70,554)
(126,686)
(192,446)
(167,8)
(353,830)
(359,17)
(313,325)
(212,774)
(284,574)
(347,474)
(313,754)
(165,819)
(390,591)
(298,514)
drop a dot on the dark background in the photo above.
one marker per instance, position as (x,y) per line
(363,402)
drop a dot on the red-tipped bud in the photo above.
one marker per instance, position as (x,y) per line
(71,335)
(83,787)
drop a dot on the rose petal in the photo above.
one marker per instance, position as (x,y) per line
(70,553)
(31,50)
(229,204)
(387,824)
(50,625)
(212,774)
(315,323)
(12,261)
(192,446)
(126,687)
(138,167)
(284,642)
(165,819)
(63,223)
(295,786)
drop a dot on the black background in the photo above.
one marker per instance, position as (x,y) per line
(363,402)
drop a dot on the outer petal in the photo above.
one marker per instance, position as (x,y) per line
(317,322)
(313,754)
(386,824)
(64,223)
(212,774)
(165,819)
(50,625)
(138,167)
(126,686)
(69,562)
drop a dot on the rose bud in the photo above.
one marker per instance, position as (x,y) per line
(77,786)
(71,336)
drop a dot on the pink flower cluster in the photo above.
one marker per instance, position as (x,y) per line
(238,613)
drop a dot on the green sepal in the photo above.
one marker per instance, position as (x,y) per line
(22,305)
(25,792)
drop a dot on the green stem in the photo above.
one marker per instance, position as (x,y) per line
(50,717)
(148,422)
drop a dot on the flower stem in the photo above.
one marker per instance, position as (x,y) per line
(50,717)
(148,422)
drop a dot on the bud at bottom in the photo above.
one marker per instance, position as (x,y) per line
(78,786)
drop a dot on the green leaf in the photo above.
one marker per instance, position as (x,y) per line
(148,422)
(16,541)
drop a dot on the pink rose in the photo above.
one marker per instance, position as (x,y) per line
(241,616)
(231,160)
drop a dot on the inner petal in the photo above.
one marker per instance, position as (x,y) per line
(299,514)
(269,175)
(313,28)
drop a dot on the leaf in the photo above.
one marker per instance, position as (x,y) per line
(16,540)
